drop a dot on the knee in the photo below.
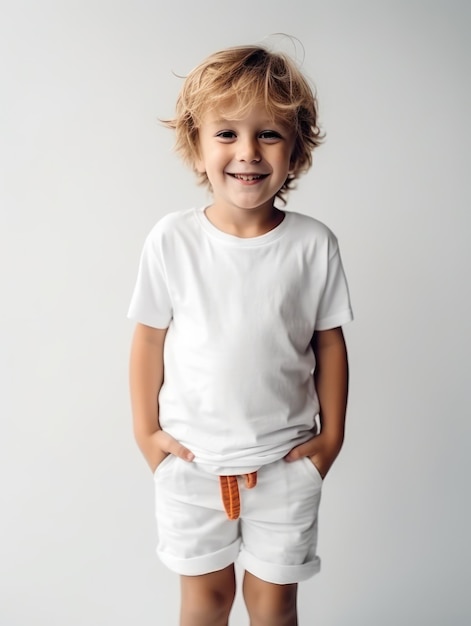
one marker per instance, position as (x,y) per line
(275,607)
(271,615)
(207,606)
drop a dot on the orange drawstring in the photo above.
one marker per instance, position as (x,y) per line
(230,492)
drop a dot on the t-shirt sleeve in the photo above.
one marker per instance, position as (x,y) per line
(150,303)
(335,307)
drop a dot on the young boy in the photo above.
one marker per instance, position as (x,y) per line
(239,369)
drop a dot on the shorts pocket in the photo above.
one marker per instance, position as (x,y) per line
(313,469)
(165,461)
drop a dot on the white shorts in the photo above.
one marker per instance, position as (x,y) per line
(275,537)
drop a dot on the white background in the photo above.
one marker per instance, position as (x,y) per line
(87,170)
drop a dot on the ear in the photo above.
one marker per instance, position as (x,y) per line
(198,162)
(293,161)
(294,158)
(199,165)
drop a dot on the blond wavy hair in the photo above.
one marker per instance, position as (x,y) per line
(240,77)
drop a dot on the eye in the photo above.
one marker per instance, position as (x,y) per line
(226,135)
(272,135)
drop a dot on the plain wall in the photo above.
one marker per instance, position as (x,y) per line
(86,172)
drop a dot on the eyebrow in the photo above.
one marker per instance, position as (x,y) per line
(268,123)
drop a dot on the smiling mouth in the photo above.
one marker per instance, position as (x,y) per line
(248,177)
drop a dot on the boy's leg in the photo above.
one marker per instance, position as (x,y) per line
(279,536)
(207,599)
(269,604)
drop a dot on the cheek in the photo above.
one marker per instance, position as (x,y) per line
(285,162)
(216,158)
(202,151)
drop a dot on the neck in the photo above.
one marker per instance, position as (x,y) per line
(245,223)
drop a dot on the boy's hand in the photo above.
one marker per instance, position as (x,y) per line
(160,444)
(321,449)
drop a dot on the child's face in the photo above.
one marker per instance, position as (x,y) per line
(247,160)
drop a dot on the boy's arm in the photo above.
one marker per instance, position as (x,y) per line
(331,379)
(146,375)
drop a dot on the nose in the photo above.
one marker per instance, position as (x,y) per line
(248,150)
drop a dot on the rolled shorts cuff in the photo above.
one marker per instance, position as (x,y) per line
(196,566)
(278,574)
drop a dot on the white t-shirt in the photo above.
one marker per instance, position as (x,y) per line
(238,385)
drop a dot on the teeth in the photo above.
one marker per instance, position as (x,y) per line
(247,178)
